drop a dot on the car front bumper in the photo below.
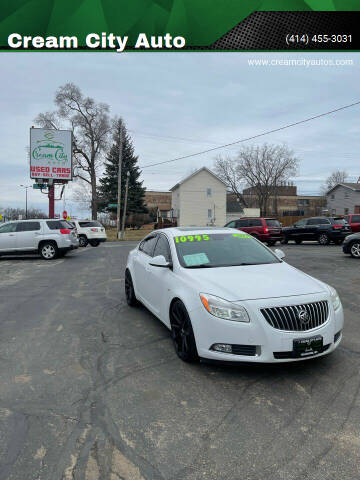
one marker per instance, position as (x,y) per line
(271,344)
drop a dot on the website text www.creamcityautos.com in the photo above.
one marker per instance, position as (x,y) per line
(300,62)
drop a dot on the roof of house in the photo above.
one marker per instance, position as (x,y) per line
(164,206)
(352,186)
(195,173)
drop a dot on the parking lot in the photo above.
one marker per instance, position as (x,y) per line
(92,389)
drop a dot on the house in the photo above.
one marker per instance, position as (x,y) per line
(199,199)
(286,202)
(235,211)
(158,203)
(343,199)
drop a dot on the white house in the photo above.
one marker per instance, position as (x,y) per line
(199,200)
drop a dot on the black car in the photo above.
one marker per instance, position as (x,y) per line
(352,245)
(322,229)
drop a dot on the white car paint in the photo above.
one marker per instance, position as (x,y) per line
(254,287)
(91,229)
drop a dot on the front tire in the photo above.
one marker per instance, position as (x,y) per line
(83,241)
(129,290)
(298,242)
(355,249)
(324,239)
(338,242)
(48,251)
(182,333)
(271,243)
(284,241)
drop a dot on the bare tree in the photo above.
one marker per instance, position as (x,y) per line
(11,213)
(227,169)
(264,168)
(91,125)
(337,176)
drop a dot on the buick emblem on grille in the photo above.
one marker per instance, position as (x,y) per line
(303,316)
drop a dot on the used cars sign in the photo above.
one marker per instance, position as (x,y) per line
(50,154)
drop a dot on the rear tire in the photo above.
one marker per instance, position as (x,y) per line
(48,250)
(129,290)
(338,242)
(298,242)
(355,249)
(83,241)
(284,241)
(94,243)
(271,244)
(182,333)
(323,239)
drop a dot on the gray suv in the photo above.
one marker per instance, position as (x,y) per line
(49,238)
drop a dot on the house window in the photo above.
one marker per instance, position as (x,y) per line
(208,192)
(346,211)
(333,211)
(332,196)
(346,195)
(209,213)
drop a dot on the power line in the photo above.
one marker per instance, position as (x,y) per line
(254,136)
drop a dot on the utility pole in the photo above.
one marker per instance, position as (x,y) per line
(125,205)
(26,201)
(120,126)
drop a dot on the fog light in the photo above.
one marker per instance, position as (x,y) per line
(222,347)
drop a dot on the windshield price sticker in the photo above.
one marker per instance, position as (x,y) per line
(191,238)
(241,235)
(196,259)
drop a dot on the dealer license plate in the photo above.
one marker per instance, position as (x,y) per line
(308,346)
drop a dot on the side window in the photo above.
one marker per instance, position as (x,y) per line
(147,245)
(162,248)
(312,221)
(8,228)
(242,223)
(28,226)
(231,225)
(255,222)
(355,219)
(300,223)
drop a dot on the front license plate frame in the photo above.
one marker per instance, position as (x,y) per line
(304,347)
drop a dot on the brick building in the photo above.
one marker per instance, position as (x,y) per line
(158,203)
(286,202)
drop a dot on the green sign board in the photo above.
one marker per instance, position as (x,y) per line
(39,186)
(112,205)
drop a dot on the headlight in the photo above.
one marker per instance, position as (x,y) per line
(335,299)
(223,309)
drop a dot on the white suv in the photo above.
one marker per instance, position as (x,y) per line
(50,238)
(89,231)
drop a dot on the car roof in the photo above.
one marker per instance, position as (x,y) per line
(178,231)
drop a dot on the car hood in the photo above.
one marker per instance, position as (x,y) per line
(253,282)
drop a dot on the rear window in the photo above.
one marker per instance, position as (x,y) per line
(89,224)
(58,224)
(339,221)
(272,223)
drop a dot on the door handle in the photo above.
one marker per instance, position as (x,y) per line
(11,235)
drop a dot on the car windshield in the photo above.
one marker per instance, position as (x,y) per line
(221,250)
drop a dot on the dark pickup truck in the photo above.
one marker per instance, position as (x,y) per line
(322,229)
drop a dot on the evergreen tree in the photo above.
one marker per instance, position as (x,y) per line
(108,184)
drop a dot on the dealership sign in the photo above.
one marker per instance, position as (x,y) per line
(50,154)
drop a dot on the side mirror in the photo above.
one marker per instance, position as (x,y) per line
(160,261)
(279,253)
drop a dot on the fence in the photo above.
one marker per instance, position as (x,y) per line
(289,220)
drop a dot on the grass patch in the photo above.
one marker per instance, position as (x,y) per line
(130,235)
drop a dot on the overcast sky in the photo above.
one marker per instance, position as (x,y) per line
(179,103)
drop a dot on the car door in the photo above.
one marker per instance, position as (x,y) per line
(160,279)
(141,267)
(27,235)
(8,237)
(297,231)
(355,223)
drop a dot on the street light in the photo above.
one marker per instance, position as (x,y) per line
(26,187)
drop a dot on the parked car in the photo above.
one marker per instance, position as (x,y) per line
(89,232)
(49,238)
(352,245)
(354,222)
(267,230)
(207,285)
(322,229)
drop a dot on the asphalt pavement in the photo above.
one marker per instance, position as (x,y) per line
(91,389)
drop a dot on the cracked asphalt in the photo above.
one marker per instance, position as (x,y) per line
(91,389)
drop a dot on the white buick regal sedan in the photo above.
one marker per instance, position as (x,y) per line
(226,297)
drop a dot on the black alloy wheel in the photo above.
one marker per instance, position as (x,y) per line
(182,333)
(324,239)
(129,290)
(83,241)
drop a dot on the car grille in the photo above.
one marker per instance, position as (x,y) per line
(281,355)
(297,318)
